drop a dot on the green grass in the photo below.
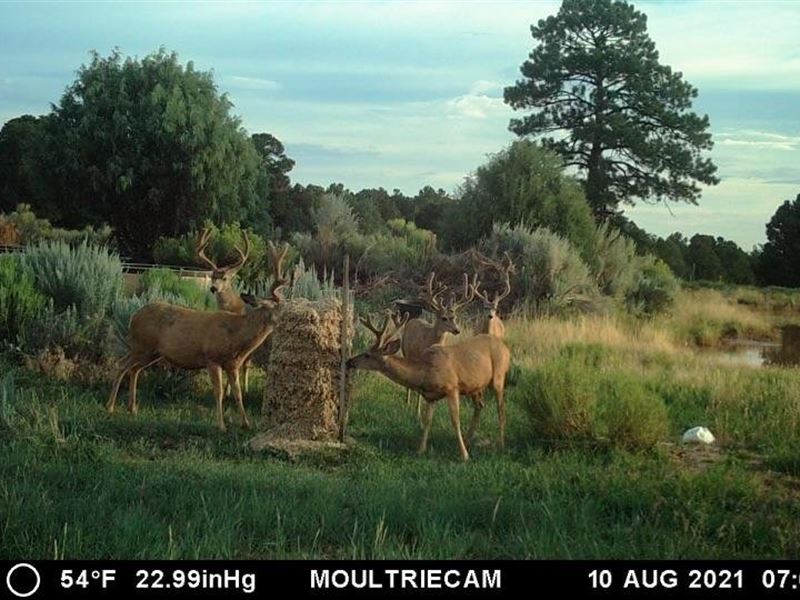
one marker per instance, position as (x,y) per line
(77,483)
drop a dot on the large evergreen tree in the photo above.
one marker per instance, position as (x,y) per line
(595,76)
(779,263)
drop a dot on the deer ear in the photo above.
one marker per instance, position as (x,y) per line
(392,347)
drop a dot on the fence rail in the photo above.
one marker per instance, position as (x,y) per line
(132,267)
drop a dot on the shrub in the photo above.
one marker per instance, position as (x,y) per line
(307,284)
(551,275)
(23,227)
(655,287)
(20,302)
(86,277)
(574,398)
(560,399)
(613,261)
(182,250)
(164,283)
(630,415)
(67,330)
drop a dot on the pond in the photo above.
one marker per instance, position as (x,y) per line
(751,353)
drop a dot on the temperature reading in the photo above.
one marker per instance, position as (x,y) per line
(84,578)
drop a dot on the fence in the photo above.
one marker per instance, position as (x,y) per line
(132,270)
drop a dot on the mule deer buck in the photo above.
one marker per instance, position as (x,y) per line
(419,335)
(194,339)
(467,368)
(491,322)
(222,283)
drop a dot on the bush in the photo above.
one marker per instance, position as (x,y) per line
(560,399)
(182,250)
(23,227)
(164,283)
(68,331)
(613,261)
(307,284)
(572,398)
(20,302)
(630,415)
(655,287)
(551,275)
(86,277)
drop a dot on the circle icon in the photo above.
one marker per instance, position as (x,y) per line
(30,569)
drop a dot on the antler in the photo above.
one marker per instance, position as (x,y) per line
(468,294)
(202,244)
(506,268)
(430,296)
(382,334)
(279,279)
(243,255)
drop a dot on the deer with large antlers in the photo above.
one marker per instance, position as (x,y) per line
(222,282)
(419,335)
(194,339)
(491,322)
(467,368)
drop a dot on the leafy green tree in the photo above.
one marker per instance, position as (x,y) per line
(292,209)
(673,251)
(595,75)
(429,208)
(522,184)
(150,147)
(736,263)
(23,177)
(779,261)
(702,260)
(274,160)
(366,208)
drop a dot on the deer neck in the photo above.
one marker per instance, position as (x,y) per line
(403,371)
(228,300)
(437,334)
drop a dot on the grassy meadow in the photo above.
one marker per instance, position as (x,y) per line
(78,483)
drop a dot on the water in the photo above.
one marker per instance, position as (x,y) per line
(751,353)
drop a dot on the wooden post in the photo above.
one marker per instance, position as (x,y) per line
(344,401)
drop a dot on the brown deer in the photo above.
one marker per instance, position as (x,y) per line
(419,335)
(467,368)
(491,322)
(222,283)
(194,339)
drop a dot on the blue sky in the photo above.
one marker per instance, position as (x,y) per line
(404,94)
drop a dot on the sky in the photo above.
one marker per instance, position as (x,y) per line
(408,94)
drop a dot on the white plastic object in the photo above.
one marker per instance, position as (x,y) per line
(699,435)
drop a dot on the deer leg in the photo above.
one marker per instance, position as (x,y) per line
(233,382)
(477,406)
(246,374)
(426,426)
(455,417)
(215,371)
(133,407)
(127,363)
(408,396)
(499,391)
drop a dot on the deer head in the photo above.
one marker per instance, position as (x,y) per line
(279,279)
(492,303)
(222,277)
(445,310)
(386,342)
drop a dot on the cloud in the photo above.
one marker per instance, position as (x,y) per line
(251,83)
(759,139)
(477,103)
